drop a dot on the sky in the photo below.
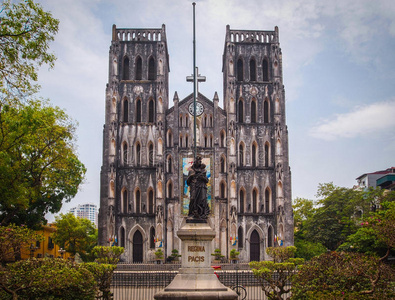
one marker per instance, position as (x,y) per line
(338,72)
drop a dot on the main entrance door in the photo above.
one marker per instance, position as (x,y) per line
(137,247)
(254,246)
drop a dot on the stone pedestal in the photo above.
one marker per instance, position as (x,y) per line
(196,279)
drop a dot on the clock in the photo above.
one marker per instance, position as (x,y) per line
(199,108)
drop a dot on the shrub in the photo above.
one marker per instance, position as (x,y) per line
(46,279)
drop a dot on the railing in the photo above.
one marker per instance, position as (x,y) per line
(131,283)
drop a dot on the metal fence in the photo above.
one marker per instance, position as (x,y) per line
(143,281)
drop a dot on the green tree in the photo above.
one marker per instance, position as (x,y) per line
(75,235)
(338,213)
(39,168)
(344,275)
(107,255)
(103,269)
(25,34)
(304,210)
(275,276)
(46,279)
(376,233)
(14,240)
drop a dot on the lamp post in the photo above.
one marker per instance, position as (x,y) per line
(61,251)
(32,248)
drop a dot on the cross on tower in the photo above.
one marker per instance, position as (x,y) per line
(195,78)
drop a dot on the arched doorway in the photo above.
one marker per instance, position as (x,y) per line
(254,246)
(137,247)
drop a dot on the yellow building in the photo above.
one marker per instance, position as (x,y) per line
(45,248)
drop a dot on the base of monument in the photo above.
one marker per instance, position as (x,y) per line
(197,295)
(200,285)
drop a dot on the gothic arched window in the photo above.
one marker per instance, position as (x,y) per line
(151,69)
(267,200)
(151,155)
(125,110)
(139,68)
(241,155)
(254,156)
(138,111)
(267,154)
(170,190)
(270,237)
(253,111)
(222,139)
(122,237)
(138,201)
(240,76)
(254,201)
(151,111)
(241,201)
(125,73)
(252,70)
(138,154)
(152,238)
(151,201)
(222,190)
(169,164)
(266,111)
(240,238)
(125,201)
(125,153)
(265,70)
(169,139)
(241,111)
(222,164)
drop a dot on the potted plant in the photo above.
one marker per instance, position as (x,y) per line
(217,255)
(234,255)
(159,255)
(174,255)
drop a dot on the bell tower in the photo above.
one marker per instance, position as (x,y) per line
(133,136)
(254,100)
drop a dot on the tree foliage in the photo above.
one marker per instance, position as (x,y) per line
(38,165)
(103,268)
(46,279)
(25,34)
(14,240)
(337,214)
(376,233)
(304,210)
(107,255)
(343,275)
(75,235)
(275,276)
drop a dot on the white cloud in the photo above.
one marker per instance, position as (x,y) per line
(364,121)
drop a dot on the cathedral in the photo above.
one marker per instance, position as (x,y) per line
(148,148)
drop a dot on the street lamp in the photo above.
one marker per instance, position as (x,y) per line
(61,251)
(32,249)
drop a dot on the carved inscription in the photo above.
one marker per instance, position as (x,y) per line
(196,258)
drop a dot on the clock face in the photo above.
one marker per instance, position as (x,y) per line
(199,108)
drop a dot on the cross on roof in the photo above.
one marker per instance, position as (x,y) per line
(199,78)
(195,78)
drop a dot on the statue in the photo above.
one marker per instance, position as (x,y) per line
(197,181)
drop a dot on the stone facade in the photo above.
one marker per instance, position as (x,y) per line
(147,148)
